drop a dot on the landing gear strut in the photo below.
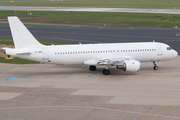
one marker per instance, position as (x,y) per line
(92,68)
(155,66)
(106,72)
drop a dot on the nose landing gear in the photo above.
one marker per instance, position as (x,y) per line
(155,66)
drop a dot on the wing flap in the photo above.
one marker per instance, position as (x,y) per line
(110,61)
(107,61)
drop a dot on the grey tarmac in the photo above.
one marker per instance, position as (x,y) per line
(60,92)
(95,34)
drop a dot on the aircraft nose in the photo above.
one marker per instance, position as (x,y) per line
(175,53)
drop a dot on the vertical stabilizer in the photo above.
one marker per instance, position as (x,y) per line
(21,35)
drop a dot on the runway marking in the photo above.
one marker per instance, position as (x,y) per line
(13,78)
(98,108)
(172,40)
(145,117)
(171,108)
(158,113)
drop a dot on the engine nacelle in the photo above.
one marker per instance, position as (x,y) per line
(130,65)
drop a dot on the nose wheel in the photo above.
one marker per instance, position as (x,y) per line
(155,66)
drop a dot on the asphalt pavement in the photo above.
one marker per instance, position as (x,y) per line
(94,34)
(60,92)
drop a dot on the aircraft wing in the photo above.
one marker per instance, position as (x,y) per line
(110,61)
(107,61)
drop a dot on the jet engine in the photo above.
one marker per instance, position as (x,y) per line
(129,65)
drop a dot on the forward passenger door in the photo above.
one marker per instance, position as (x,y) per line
(159,50)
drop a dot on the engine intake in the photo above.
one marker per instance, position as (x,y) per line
(130,65)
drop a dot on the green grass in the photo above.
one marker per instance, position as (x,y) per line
(4,24)
(151,4)
(6,41)
(144,20)
(16,61)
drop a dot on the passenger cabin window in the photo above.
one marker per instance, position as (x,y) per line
(168,48)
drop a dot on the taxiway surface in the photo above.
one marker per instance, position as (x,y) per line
(129,10)
(57,92)
(93,34)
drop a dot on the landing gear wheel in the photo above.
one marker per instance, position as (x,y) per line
(155,67)
(92,68)
(106,72)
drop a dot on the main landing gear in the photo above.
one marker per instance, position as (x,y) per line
(92,68)
(105,71)
(155,66)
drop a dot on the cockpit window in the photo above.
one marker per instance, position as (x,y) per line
(168,48)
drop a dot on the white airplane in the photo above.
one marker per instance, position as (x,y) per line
(126,56)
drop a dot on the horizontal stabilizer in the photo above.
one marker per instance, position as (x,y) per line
(6,48)
(23,52)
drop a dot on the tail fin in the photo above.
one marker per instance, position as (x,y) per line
(21,35)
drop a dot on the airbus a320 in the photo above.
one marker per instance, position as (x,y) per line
(126,56)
